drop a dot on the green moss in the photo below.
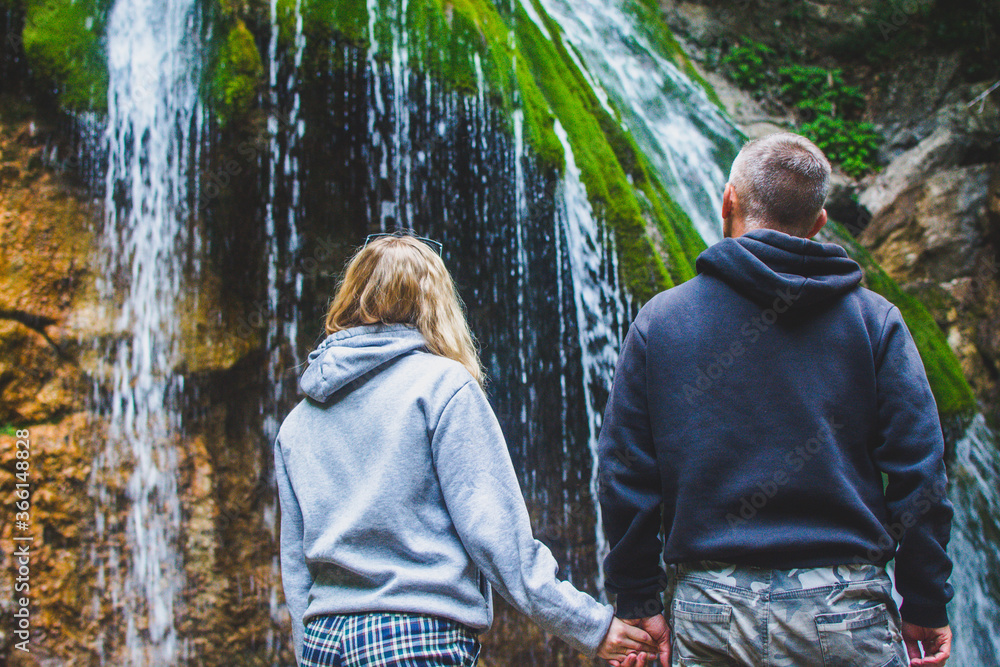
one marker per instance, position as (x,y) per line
(63,43)
(344,19)
(614,199)
(951,390)
(8,430)
(237,75)
(473,47)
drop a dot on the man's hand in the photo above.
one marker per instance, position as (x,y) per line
(659,631)
(622,639)
(936,643)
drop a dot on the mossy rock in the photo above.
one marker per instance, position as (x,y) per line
(237,75)
(467,45)
(63,40)
(954,396)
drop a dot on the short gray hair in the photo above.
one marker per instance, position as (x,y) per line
(781,182)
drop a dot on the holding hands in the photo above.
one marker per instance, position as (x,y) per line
(633,642)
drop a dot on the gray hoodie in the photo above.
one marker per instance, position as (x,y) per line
(398,495)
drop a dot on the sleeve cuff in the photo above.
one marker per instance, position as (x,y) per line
(924,615)
(589,645)
(638,605)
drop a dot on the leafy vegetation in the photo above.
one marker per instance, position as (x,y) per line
(852,144)
(827,107)
(750,64)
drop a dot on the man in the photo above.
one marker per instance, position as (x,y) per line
(754,412)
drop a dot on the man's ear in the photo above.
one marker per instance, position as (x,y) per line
(728,200)
(818,225)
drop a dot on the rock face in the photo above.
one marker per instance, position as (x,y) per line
(939,239)
(933,216)
(52,324)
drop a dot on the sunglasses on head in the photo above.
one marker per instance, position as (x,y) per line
(436,246)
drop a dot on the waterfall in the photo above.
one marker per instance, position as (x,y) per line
(395,155)
(687,139)
(975,547)
(154,118)
(599,310)
(283,242)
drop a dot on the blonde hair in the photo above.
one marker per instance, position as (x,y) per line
(781,181)
(399,279)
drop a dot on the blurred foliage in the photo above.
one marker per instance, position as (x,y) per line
(850,143)
(237,75)
(970,27)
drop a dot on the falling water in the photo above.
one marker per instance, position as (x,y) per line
(154,68)
(975,547)
(395,154)
(686,138)
(284,279)
(599,308)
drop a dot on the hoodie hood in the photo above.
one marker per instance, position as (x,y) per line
(764,264)
(348,354)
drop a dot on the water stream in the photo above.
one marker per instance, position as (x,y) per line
(975,547)
(687,139)
(154,120)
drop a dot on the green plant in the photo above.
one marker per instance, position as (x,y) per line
(819,90)
(803,82)
(827,107)
(853,144)
(749,64)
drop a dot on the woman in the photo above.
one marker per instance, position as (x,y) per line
(399,503)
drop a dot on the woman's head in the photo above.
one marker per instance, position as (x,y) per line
(400,280)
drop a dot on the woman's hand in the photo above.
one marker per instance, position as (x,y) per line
(659,630)
(623,639)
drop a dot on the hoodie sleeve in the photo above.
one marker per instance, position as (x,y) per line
(485,503)
(295,577)
(912,456)
(630,488)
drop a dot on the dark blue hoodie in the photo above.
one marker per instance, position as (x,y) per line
(754,411)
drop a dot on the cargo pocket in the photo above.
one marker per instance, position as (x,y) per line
(700,633)
(857,638)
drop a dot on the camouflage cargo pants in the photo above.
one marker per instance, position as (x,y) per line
(841,616)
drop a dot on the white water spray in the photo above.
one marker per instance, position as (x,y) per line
(685,137)
(154,119)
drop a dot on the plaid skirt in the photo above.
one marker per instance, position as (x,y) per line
(404,640)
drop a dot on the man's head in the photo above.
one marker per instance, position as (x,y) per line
(777,182)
